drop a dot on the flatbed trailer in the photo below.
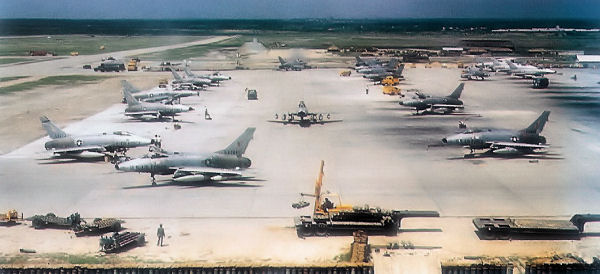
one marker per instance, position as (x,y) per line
(504,228)
(98,226)
(120,241)
(372,221)
(50,220)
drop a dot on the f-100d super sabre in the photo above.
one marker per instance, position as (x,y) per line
(303,117)
(103,144)
(503,141)
(166,95)
(448,103)
(139,109)
(225,164)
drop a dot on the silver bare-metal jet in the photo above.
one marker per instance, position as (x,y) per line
(108,144)
(194,81)
(448,103)
(164,95)
(473,73)
(225,164)
(527,71)
(503,141)
(139,109)
(216,77)
(303,117)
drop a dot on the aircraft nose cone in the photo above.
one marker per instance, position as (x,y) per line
(401,103)
(444,140)
(229,77)
(191,108)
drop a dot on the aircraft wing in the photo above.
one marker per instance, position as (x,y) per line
(446,106)
(142,113)
(496,145)
(188,174)
(79,149)
(159,98)
(297,121)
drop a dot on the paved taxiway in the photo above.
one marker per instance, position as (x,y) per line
(377,156)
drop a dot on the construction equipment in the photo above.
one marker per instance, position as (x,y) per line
(505,228)
(345,73)
(98,226)
(390,81)
(340,219)
(391,90)
(120,241)
(11,217)
(51,220)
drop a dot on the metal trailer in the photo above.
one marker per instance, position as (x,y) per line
(120,241)
(98,226)
(51,220)
(505,228)
(372,220)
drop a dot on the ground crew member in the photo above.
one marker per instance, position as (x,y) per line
(161,234)
(157,141)
(367,90)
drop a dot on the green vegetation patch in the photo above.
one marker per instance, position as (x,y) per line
(11,78)
(62,80)
(193,51)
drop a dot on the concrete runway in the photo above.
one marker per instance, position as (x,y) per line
(378,156)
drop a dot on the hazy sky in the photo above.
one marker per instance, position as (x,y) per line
(285,9)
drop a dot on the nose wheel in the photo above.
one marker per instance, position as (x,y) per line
(153,179)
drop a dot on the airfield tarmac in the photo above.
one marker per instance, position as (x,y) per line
(378,156)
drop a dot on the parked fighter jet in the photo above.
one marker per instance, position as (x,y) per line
(106,144)
(197,82)
(527,71)
(474,74)
(389,67)
(214,78)
(448,103)
(503,141)
(292,65)
(364,63)
(376,77)
(303,117)
(139,109)
(221,165)
(165,95)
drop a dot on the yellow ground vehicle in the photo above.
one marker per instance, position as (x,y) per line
(133,64)
(345,73)
(10,217)
(390,81)
(391,90)
(162,83)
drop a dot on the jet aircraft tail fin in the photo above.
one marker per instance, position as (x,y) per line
(511,65)
(238,147)
(281,60)
(129,87)
(188,72)
(53,131)
(392,63)
(538,125)
(359,60)
(176,76)
(458,91)
(131,101)
(399,70)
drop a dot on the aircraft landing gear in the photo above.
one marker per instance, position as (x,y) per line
(153,179)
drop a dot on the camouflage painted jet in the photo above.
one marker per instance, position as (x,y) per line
(389,67)
(67,145)
(164,95)
(503,141)
(139,109)
(381,75)
(292,65)
(448,103)
(225,164)
(303,117)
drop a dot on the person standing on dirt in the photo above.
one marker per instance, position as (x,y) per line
(161,235)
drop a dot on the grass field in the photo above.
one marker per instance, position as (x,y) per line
(61,80)
(4,61)
(6,79)
(85,44)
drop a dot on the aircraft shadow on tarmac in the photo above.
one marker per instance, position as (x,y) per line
(155,120)
(537,156)
(54,161)
(402,230)
(232,183)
